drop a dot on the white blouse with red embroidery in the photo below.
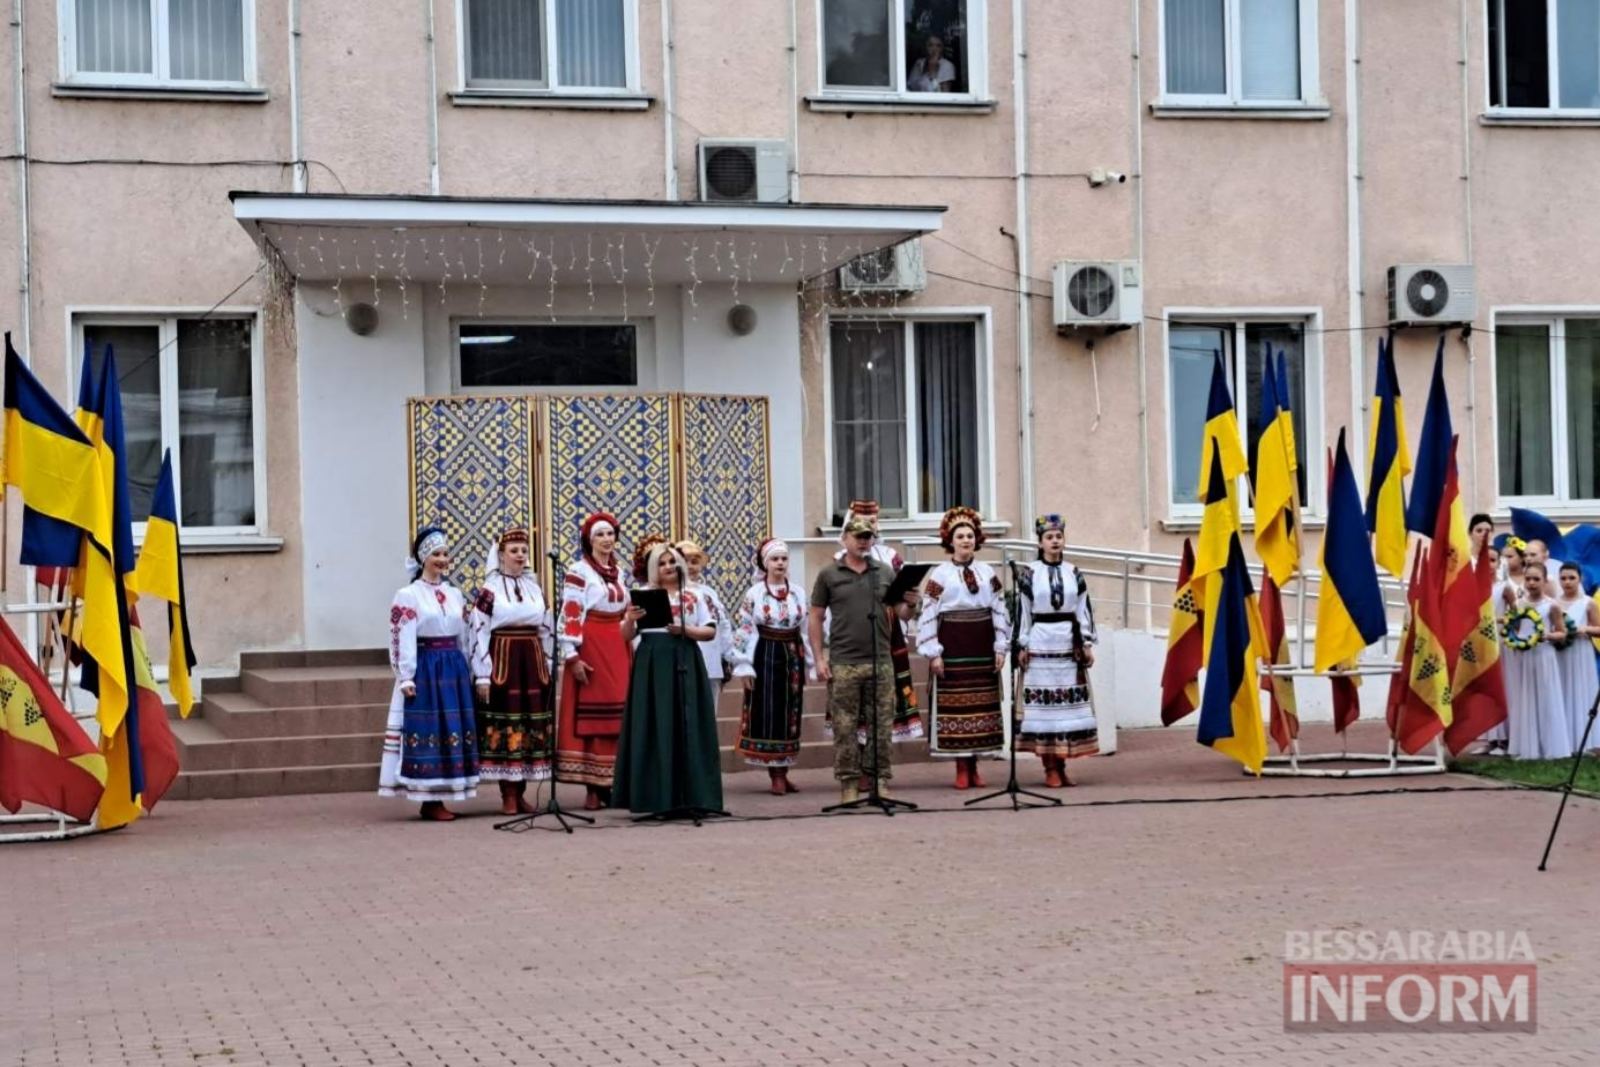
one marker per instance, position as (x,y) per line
(424,609)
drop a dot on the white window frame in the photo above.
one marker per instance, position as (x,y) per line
(1310,82)
(977,61)
(645,353)
(1553,62)
(160,77)
(1559,503)
(166,321)
(982,318)
(551,85)
(1315,506)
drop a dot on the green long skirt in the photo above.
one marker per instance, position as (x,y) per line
(667,759)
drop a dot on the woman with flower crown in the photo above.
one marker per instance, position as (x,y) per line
(510,668)
(668,760)
(964,632)
(1055,639)
(596,658)
(772,656)
(430,745)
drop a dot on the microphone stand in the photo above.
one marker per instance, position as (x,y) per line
(553,806)
(1013,788)
(680,734)
(1566,789)
(874,797)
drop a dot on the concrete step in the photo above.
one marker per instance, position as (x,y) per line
(202,747)
(239,715)
(348,657)
(310,687)
(274,781)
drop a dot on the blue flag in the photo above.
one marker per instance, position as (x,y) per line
(1433,454)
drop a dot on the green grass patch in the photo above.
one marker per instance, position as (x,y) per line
(1540,773)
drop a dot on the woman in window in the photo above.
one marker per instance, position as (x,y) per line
(595,636)
(510,640)
(772,656)
(932,73)
(430,746)
(1056,640)
(907,719)
(964,632)
(668,762)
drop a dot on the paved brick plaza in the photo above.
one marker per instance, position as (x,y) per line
(336,930)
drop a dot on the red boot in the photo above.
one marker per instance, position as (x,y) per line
(591,799)
(977,779)
(508,798)
(776,786)
(963,775)
(435,811)
(1052,772)
(523,807)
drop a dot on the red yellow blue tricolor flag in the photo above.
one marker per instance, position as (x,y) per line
(45,757)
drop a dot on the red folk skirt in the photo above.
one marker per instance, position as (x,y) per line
(591,715)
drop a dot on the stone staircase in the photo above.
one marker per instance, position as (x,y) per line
(312,722)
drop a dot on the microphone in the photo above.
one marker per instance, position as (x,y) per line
(553,556)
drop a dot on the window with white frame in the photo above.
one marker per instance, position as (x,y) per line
(1239,53)
(905,414)
(1547,407)
(1192,347)
(922,49)
(581,46)
(1544,55)
(191,385)
(192,44)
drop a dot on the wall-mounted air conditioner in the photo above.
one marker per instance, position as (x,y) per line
(896,269)
(1100,293)
(744,170)
(1428,294)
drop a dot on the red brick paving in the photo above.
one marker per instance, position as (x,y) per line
(337,930)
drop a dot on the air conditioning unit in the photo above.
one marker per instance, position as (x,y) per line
(744,170)
(1103,293)
(1432,293)
(896,269)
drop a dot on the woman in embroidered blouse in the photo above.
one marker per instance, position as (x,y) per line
(964,632)
(430,745)
(772,656)
(510,643)
(717,650)
(668,762)
(1056,638)
(596,656)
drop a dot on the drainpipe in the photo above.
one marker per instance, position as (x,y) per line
(25,246)
(1352,98)
(1466,199)
(669,101)
(433,104)
(298,165)
(1019,240)
(1138,254)
(794,101)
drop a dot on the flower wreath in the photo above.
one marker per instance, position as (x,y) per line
(1513,631)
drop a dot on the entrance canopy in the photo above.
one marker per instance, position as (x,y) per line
(616,242)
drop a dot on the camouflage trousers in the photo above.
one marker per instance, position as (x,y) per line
(850,699)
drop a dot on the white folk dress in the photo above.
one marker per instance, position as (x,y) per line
(1536,708)
(1057,623)
(718,649)
(430,745)
(964,622)
(1580,679)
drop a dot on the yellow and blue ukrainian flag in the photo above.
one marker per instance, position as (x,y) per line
(1230,702)
(1390,463)
(160,574)
(1350,613)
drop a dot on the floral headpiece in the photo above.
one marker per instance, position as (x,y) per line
(1047,522)
(645,555)
(954,519)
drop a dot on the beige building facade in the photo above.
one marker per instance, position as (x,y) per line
(559,195)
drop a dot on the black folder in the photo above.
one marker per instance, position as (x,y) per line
(657,608)
(910,576)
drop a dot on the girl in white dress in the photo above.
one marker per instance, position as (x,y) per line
(1580,680)
(430,743)
(1056,638)
(964,632)
(772,658)
(717,650)
(1536,709)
